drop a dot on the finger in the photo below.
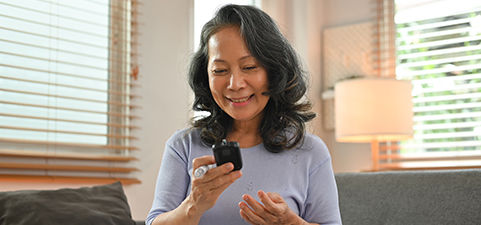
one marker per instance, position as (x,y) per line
(209,182)
(269,204)
(253,204)
(203,160)
(258,208)
(214,188)
(219,186)
(206,194)
(275,197)
(211,178)
(244,216)
(248,215)
(218,172)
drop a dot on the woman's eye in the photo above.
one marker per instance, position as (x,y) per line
(219,71)
(250,67)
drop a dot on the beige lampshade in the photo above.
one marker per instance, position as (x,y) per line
(373,109)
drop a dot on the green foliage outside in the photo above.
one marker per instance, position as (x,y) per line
(443,83)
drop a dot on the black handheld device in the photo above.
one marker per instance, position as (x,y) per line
(227,152)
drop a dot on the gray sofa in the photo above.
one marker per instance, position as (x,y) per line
(410,197)
(407,198)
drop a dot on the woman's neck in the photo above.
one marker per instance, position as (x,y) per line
(246,133)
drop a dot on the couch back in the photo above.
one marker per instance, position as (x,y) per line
(410,197)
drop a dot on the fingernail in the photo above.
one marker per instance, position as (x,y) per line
(229,166)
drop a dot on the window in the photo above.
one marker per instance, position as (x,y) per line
(66,71)
(439,50)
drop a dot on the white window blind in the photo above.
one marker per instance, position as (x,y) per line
(66,73)
(439,49)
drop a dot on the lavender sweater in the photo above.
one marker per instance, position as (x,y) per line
(303,176)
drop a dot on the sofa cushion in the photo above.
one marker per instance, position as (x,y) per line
(97,205)
(417,197)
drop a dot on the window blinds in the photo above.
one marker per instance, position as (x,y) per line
(438,48)
(67,69)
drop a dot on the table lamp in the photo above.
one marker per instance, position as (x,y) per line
(373,110)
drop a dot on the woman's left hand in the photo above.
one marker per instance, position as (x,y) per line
(274,210)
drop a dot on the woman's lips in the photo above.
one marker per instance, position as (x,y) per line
(240,101)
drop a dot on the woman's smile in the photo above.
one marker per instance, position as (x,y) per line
(240,101)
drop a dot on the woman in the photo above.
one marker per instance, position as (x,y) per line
(249,78)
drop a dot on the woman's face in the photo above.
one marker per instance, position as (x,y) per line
(236,79)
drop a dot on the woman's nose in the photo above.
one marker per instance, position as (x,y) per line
(236,81)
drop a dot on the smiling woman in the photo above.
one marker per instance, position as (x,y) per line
(248,77)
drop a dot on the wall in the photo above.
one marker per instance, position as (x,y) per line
(347,157)
(166,42)
(302,22)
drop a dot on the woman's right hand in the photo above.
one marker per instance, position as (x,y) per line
(206,189)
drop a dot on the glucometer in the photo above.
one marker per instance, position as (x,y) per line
(225,152)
